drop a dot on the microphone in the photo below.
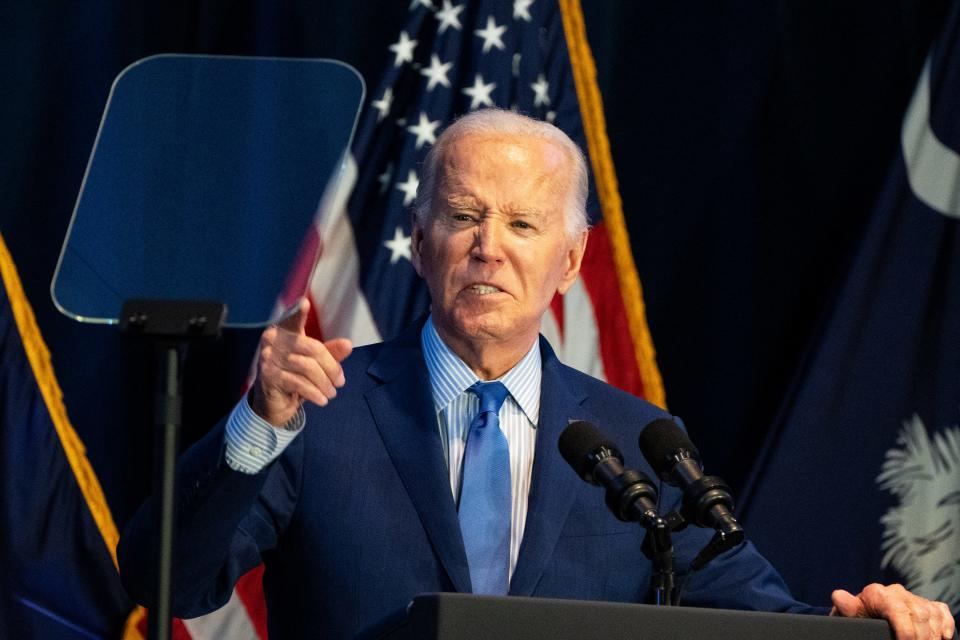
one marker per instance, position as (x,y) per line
(707,501)
(630,494)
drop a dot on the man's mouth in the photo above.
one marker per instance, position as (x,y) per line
(483,289)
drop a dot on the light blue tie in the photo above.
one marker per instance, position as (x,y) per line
(485,501)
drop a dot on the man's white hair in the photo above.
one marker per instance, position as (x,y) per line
(501,122)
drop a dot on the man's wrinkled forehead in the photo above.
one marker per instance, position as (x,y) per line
(472,151)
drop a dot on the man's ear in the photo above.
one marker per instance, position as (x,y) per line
(416,242)
(574,258)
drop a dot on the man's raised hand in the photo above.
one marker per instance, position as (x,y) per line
(293,367)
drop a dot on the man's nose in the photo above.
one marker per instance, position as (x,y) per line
(488,241)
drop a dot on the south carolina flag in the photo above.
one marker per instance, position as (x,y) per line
(860,480)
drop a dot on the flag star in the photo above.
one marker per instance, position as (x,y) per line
(401,122)
(540,89)
(551,116)
(437,72)
(403,49)
(491,35)
(385,177)
(383,104)
(425,130)
(448,16)
(399,246)
(421,3)
(480,93)
(521,10)
(409,188)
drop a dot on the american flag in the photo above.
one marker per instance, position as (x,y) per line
(530,56)
(449,59)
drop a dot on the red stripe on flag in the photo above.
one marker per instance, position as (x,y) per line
(178,631)
(616,345)
(299,276)
(556,306)
(142,624)
(314,330)
(250,590)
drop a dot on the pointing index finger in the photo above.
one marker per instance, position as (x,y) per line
(296,322)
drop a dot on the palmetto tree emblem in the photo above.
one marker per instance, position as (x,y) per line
(921,536)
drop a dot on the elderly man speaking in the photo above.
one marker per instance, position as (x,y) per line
(429,462)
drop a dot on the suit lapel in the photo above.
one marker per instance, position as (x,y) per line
(403,410)
(553,483)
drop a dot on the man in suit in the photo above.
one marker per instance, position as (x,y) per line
(361,481)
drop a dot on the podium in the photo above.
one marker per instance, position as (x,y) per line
(457,616)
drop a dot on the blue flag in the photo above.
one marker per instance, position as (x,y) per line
(57,538)
(860,480)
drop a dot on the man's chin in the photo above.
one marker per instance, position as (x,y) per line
(474,324)
(491,327)
(482,329)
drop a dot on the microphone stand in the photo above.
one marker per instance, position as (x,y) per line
(728,535)
(630,497)
(658,547)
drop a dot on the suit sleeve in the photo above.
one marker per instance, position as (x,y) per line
(225,520)
(738,579)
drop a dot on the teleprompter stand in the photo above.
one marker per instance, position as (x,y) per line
(206,174)
(171,325)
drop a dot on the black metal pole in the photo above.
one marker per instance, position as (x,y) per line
(168,427)
(171,325)
(660,551)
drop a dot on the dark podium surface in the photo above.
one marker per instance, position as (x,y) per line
(464,616)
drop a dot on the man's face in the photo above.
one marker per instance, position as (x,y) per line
(495,248)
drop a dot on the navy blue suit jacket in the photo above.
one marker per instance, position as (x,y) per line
(356,517)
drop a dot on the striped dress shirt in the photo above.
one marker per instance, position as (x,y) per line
(456,407)
(252,443)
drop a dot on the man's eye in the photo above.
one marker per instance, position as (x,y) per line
(521,224)
(462,217)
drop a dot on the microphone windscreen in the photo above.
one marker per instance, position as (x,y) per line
(659,442)
(577,442)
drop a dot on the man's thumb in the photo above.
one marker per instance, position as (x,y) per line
(846,604)
(339,348)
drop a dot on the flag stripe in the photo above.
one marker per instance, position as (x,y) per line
(574,332)
(341,309)
(229,621)
(250,590)
(613,324)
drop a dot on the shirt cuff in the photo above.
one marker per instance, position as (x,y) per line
(252,443)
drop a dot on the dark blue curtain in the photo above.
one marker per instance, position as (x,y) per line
(750,139)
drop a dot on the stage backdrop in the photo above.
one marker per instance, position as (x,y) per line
(750,139)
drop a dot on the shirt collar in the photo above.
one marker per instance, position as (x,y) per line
(450,376)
